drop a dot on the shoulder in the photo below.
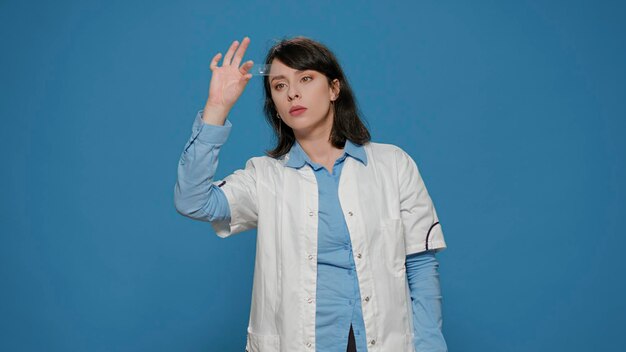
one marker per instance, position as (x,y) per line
(380,147)
(387,152)
(264,163)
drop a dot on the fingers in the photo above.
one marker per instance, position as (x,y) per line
(246,77)
(215,60)
(246,66)
(238,56)
(240,51)
(229,54)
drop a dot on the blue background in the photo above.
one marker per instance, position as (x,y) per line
(514,111)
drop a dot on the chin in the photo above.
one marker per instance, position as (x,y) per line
(301,124)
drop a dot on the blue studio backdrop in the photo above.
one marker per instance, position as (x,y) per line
(514,111)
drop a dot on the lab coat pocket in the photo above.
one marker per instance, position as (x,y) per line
(393,243)
(262,343)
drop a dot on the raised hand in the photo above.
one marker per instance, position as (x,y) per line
(227,81)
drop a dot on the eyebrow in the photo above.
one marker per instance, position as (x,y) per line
(282,76)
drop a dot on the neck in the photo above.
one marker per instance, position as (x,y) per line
(316,144)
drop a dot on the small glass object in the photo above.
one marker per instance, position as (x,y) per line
(260,70)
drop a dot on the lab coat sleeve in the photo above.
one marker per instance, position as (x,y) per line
(422,230)
(229,204)
(241,192)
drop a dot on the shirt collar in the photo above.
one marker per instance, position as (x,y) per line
(297,156)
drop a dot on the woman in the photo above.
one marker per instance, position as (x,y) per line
(346,230)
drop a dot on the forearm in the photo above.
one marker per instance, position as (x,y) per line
(426,300)
(195,195)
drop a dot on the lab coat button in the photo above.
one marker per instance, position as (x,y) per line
(350,213)
(310,256)
(310,213)
(310,300)
(373,342)
(358,255)
(308,344)
(367,298)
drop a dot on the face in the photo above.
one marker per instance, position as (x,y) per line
(309,89)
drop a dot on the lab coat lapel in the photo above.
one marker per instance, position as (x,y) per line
(349,197)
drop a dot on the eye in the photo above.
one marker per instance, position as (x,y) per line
(277,87)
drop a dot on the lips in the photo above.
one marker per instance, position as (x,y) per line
(296,108)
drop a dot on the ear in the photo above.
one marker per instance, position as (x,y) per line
(334,89)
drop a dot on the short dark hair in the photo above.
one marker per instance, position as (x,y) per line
(302,53)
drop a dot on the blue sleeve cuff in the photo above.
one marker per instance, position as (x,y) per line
(208,133)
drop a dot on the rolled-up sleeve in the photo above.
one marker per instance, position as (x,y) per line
(240,189)
(422,230)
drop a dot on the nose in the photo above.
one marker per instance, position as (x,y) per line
(292,97)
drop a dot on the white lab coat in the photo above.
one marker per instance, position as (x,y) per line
(389,214)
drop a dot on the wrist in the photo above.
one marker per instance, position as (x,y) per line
(214,114)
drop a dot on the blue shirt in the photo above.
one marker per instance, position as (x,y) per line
(338,298)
